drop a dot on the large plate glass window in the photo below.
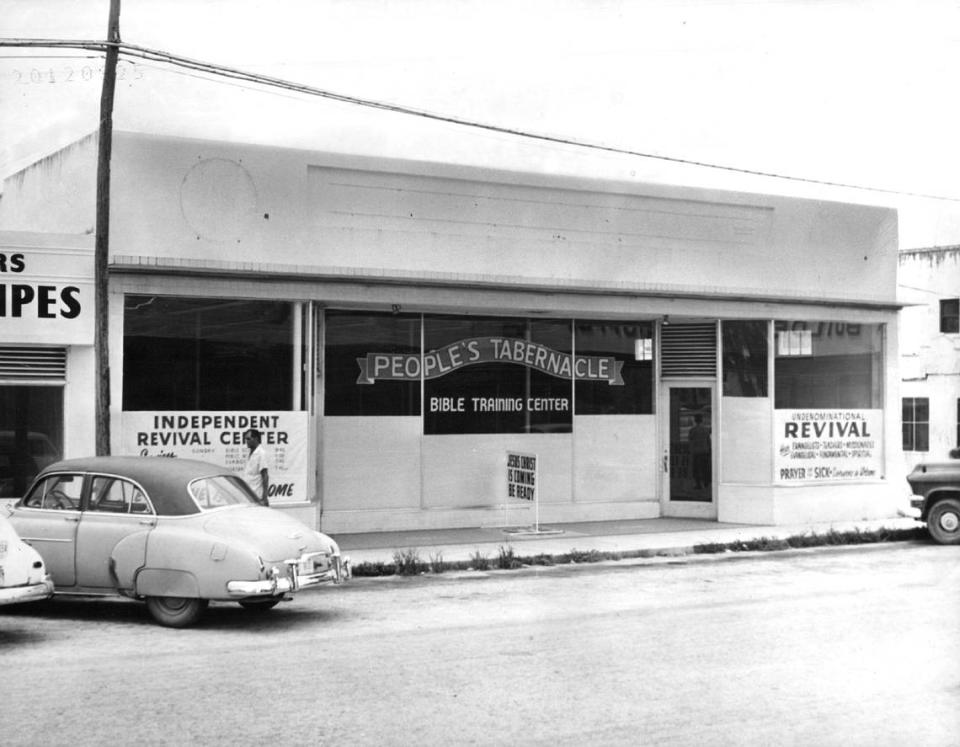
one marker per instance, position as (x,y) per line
(828,391)
(207,354)
(498,375)
(371,364)
(486,374)
(630,344)
(828,365)
(744,358)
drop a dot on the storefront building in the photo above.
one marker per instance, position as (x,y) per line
(46,352)
(428,345)
(929,287)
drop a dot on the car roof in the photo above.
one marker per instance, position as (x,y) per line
(164,478)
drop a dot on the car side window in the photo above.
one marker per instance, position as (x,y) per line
(57,492)
(114,495)
(139,503)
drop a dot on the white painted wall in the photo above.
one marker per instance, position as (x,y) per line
(746,438)
(930,360)
(57,194)
(370,463)
(382,473)
(470,471)
(202,201)
(615,459)
(79,403)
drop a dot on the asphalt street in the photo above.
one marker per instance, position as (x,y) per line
(853,646)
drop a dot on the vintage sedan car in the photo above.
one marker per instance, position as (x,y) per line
(173,532)
(23,576)
(936,493)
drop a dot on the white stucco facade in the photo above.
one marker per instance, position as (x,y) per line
(330,232)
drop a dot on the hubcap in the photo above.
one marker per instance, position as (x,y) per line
(950,522)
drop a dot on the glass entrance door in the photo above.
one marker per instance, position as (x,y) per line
(688,458)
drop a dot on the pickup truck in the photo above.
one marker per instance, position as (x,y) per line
(936,493)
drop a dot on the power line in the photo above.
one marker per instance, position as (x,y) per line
(156,55)
(47,56)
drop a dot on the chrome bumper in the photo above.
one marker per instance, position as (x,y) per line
(32,593)
(296,574)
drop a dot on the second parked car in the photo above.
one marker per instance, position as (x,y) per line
(23,576)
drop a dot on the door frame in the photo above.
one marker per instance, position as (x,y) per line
(686,509)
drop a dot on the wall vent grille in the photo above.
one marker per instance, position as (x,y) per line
(688,350)
(32,364)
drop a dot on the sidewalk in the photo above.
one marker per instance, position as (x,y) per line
(669,536)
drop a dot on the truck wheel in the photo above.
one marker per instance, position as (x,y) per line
(943,521)
(176,612)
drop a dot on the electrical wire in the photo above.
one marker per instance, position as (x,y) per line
(156,55)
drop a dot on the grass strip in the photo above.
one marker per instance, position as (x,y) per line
(407,562)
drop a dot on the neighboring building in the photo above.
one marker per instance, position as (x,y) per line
(46,352)
(929,287)
(431,345)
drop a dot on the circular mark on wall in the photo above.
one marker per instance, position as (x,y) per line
(218,199)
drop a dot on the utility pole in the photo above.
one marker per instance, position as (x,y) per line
(102,243)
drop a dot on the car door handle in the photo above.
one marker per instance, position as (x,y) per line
(147,522)
(71,518)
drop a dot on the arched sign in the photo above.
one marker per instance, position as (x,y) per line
(476,350)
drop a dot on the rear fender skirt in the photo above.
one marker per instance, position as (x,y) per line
(161,582)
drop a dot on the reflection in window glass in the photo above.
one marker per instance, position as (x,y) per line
(916,424)
(31,434)
(619,341)
(207,354)
(391,344)
(744,358)
(841,368)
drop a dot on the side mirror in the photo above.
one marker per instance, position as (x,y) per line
(955,453)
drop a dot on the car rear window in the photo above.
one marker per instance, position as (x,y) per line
(222,490)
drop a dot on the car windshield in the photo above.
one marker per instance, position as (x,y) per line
(221,490)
